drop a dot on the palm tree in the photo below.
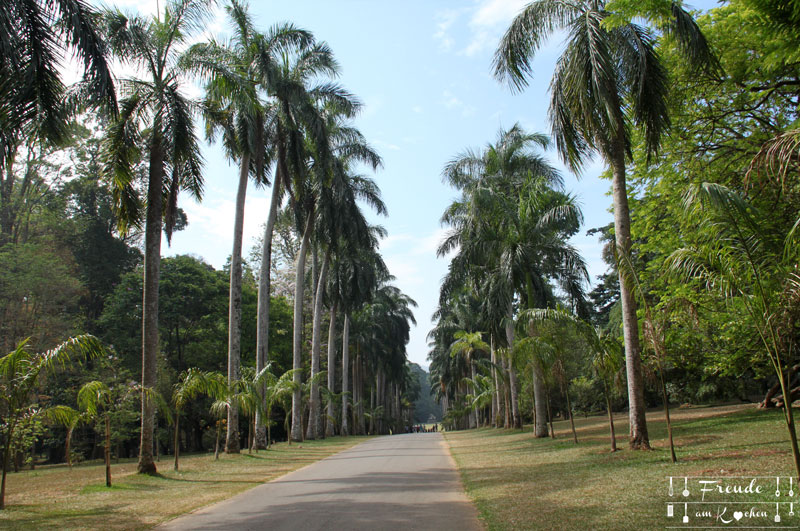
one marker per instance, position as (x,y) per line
(608,76)
(19,376)
(192,383)
(234,109)
(69,418)
(155,119)
(96,400)
(33,37)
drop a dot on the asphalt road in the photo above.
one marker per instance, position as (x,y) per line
(393,482)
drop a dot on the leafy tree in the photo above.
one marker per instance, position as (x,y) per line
(742,256)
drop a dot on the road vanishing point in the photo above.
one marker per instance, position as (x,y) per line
(393,482)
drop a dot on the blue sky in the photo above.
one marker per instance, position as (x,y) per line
(423,71)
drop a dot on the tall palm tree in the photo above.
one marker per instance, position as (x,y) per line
(338,216)
(608,76)
(156,121)
(234,109)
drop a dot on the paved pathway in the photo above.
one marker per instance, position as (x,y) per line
(394,482)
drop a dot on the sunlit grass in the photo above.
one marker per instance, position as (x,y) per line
(59,498)
(519,482)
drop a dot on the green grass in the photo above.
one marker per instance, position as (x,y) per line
(519,482)
(59,498)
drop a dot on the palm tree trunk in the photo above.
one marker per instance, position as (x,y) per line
(571,419)
(550,416)
(152,266)
(177,439)
(329,428)
(473,414)
(235,306)
(639,438)
(512,374)
(315,417)
(297,360)
(666,415)
(540,403)
(496,394)
(345,372)
(68,448)
(107,451)
(216,446)
(262,320)
(610,419)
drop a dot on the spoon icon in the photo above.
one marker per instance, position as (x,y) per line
(791,491)
(686,487)
(778,486)
(670,486)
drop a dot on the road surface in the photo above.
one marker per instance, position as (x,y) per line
(393,482)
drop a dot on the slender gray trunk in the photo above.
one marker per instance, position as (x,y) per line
(262,320)
(329,427)
(512,374)
(152,266)
(473,413)
(540,403)
(496,394)
(639,438)
(297,354)
(345,373)
(315,430)
(235,306)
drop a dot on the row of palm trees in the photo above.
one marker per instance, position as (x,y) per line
(270,100)
(508,231)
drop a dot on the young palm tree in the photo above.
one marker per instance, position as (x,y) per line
(96,400)
(156,120)
(607,77)
(192,383)
(19,376)
(69,418)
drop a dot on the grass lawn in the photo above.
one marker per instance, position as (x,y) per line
(58,498)
(519,482)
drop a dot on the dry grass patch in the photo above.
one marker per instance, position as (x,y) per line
(519,482)
(59,498)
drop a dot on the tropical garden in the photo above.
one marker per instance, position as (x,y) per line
(112,351)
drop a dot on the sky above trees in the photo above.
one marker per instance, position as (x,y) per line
(423,71)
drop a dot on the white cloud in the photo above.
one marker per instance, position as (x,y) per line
(486,21)
(445,21)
